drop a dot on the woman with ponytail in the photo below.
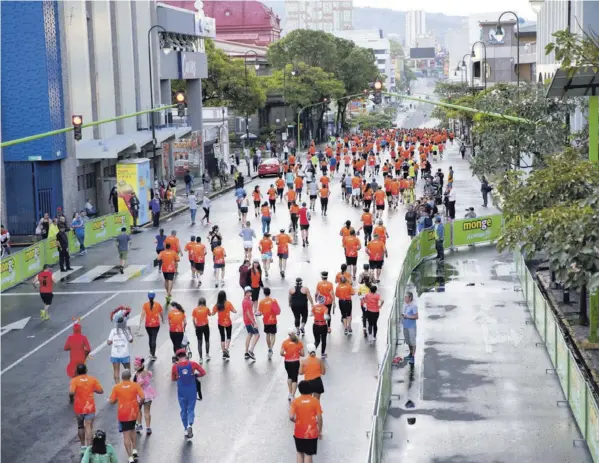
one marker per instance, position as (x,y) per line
(153,314)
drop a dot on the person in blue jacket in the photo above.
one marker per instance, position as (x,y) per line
(184,373)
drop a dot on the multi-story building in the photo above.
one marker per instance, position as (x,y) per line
(89,59)
(375,40)
(415,26)
(457,44)
(322,15)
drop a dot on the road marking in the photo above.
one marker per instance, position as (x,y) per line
(131,271)
(60,333)
(57,276)
(94,273)
(14,326)
(358,335)
(130,291)
(155,275)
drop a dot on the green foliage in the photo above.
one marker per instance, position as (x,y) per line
(450,90)
(226,84)
(575,51)
(371,121)
(556,210)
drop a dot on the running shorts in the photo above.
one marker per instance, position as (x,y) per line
(292,369)
(351,260)
(316,386)
(380,207)
(244,210)
(304,227)
(248,245)
(47,298)
(267,256)
(169,276)
(355,192)
(376,264)
(255,294)
(219,265)
(251,330)
(313,196)
(345,307)
(256,203)
(306,446)
(199,266)
(128,425)
(270,329)
(409,335)
(283,255)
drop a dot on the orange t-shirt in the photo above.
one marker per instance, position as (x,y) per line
(312,369)
(265,211)
(325,180)
(169,260)
(292,350)
(283,241)
(153,314)
(265,308)
(351,245)
(189,248)
(376,250)
(200,315)
(84,387)
(325,288)
(224,316)
(272,193)
(176,321)
(394,185)
(127,395)
(298,182)
(294,209)
(379,197)
(265,245)
(280,183)
(356,182)
(291,159)
(256,195)
(255,278)
(173,241)
(291,195)
(367,219)
(319,311)
(324,192)
(381,231)
(199,253)
(218,254)
(344,274)
(344,291)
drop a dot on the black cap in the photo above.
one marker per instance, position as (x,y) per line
(324,274)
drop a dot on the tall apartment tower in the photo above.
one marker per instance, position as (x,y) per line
(322,15)
(415,26)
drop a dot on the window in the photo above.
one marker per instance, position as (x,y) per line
(79,182)
(90,180)
(380,52)
(347,16)
(381,61)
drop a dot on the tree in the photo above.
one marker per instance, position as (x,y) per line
(372,121)
(575,51)
(226,84)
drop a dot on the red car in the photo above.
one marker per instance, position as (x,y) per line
(270,166)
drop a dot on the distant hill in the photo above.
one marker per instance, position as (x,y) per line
(391,21)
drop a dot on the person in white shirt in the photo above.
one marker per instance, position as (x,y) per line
(119,339)
(206,203)
(451,203)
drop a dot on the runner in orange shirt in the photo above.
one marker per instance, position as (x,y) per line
(128,395)
(381,230)
(324,194)
(313,368)
(168,261)
(320,329)
(272,198)
(280,184)
(345,231)
(152,314)
(395,190)
(218,256)
(270,309)
(325,289)
(265,247)
(344,293)
(377,252)
(200,320)
(81,393)
(379,201)
(174,242)
(189,249)
(223,309)
(257,198)
(283,240)
(292,350)
(342,273)
(367,222)
(199,259)
(298,183)
(176,325)
(290,197)
(352,245)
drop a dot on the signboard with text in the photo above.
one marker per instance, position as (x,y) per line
(478,230)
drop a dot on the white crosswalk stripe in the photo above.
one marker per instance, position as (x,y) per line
(92,274)
(130,271)
(57,276)
(154,275)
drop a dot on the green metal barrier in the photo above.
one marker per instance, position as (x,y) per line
(28,262)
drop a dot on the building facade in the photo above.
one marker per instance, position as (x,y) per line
(457,44)
(415,26)
(322,15)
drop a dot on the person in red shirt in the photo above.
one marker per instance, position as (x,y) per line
(249,320)
(153,314)
(168,261)
(78,347)
(127,395)
(270,309)
(81,393)
(45,282)
(200,320)
(373,304)
(306,413)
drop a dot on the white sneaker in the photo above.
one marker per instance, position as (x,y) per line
(289,397)
(201,360)
(207,357)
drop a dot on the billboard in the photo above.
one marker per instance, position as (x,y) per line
(134,176)
(422,53)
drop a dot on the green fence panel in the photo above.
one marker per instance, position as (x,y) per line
(12,270)
(551,335)
(51,250)
(563,360)
(478,230)
(427,243)
(540,311)
(592,425)
(73,242)
(98,230)
(118,221)
(577,395)
(33,260)
(530,293)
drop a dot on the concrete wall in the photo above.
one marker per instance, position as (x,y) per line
(124,67)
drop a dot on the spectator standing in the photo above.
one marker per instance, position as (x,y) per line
(193,207)
(188,179)
(439,231)
(44,226)
(134,204)
(206,203)
(485,189)
(113,198)
(155,208)
(463,150)
(122,243)
(255,161)
(62,242)
(78,227)
(5,240)
(410,315)
(451,203)
(206,182)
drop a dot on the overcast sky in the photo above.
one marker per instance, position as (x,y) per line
(455,8)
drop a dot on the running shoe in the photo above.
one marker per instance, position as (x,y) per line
(345,331)
(258,314)
(134,454)
(189,433)
(216,284)
(148,431)
(139,428)
(269,354)
(349,330)
(324,356)
(289,397)
(251,355)
(200,360)
(247,355)
(207,357)
(303,331)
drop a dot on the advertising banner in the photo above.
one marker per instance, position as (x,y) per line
(51,251)
(427,241)
(478,230)
(133,176)
(142,189)
(577,395)
(551,333)
(11,270)
(180,156)
(593,426)
(540,311)
(33,260)
(118,221)
(98,230)
(563,357)
(126,179)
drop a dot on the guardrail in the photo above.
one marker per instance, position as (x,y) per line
(575,383)
(462,232)
(20,266)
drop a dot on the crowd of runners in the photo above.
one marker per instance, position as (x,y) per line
(375,171)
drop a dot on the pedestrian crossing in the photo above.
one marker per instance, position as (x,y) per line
(112,274)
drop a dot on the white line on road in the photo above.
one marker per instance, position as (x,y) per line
(60,275)
(94,273)
(129,291)
(131,271)
(60,333)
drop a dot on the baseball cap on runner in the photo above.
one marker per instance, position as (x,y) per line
(311,348)
(247,289)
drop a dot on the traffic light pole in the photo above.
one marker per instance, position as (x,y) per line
(152,115)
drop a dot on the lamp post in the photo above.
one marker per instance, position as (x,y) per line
(166,51)
(256,66)
(499,34)
(463,65)
(285,93)
(484,66)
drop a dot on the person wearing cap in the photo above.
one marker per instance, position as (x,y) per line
(265,247)
(292,350)
(152,314)
(325,289)
(249,320)
(439,231)
(283,240)
(470,214)
(313,368)
(99,451)
(143,377)
(255,284)
(299,296)
(306,413)
(184,373)
(344,293)
(119,339)
(81,393)
(320,329)
(77,345)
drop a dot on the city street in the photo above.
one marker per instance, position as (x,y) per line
(245,403)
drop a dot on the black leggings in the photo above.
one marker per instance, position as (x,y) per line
(324,204)
(373,318)
(177,339)
(203,332)
(152,334)
(320,334)
(363,316)
(300,312)
(222,329)
(206,214)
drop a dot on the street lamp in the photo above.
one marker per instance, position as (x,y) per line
(293,73)
(463,66)
(166,50)
(484,61)
(499,34)
(256,66)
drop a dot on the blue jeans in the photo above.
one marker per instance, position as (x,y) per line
(81,239)
(187,404)
(193,215)
(188,188)
(265,225)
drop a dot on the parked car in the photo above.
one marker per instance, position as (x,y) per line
(270,166)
